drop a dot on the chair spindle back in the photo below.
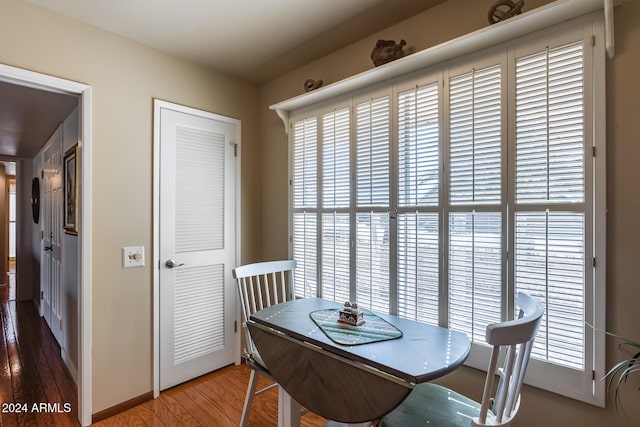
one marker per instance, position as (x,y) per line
(261,285)
(517,337)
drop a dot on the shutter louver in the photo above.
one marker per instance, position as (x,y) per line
(305,251)
(549,265)
(372,133)
(336,262)
(372,271)
(475,137)
(550,126)
(418,266)
(335,159)
(418,147)
(475,272)
(305,163)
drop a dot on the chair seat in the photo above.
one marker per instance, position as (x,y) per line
(434,406)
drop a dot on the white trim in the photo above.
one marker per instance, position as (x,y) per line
(599,93)
(527,23)
(35,80)
(158,105)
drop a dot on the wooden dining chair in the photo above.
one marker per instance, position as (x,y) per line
(437,406)
(259,286)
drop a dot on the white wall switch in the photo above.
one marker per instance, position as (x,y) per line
(132,256)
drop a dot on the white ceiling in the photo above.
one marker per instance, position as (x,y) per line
(255,40)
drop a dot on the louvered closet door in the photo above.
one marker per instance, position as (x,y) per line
(197,245)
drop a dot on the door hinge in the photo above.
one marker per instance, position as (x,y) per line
(41,174)
(42,235)
(593,40)
(41,294)
(593,150)
(593,375)
(593,262)
(235,326)
(235,148)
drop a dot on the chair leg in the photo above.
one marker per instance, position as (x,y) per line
(251,391)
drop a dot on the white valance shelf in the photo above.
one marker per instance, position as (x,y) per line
(520,25)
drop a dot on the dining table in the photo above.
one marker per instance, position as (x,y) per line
(346,373)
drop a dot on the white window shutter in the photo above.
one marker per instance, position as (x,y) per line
(475,272)
(419,146)
(550,126)
(335,159)
(305,202)
(372,142)
(550,217)
(475,118)
(305,163)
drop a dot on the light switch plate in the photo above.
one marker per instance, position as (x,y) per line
(132,256)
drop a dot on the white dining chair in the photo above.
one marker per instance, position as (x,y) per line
(437,406)
(259,286)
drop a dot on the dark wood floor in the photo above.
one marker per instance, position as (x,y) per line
(32,372)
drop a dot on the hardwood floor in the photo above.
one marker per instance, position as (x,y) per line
(32,372)
(212,400)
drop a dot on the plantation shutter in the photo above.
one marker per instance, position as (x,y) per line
(550,254)
(418,263)
(336,198)
(305,203)
(475,188)
(373,129)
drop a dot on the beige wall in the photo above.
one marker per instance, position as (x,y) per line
(442,23)
(125,77)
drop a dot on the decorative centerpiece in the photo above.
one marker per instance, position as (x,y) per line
(351,314)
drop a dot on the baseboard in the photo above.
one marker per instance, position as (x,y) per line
(121,407)
(71,368)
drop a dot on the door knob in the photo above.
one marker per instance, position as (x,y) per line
(48,248)
(172,264)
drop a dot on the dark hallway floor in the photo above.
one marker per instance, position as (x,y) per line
(35,387)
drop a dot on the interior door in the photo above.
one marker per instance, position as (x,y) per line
(51,233)
(197,243)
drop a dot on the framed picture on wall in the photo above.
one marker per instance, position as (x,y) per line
(71,190)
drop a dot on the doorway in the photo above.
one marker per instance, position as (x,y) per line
(8,281)
(23,78)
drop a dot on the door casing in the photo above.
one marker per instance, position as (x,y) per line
(45,82)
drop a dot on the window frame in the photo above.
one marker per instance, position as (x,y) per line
(583,386)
